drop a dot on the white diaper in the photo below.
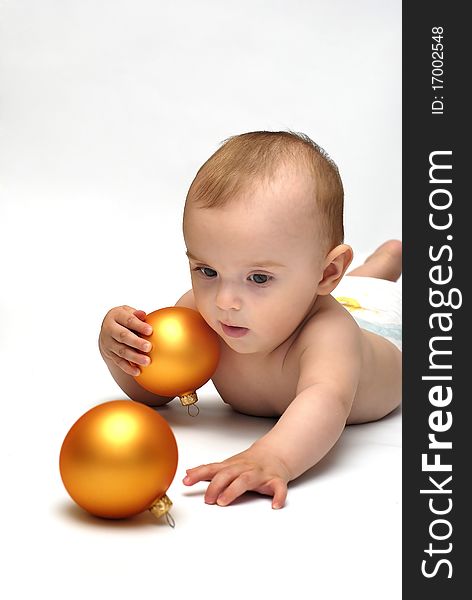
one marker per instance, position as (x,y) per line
(375,304)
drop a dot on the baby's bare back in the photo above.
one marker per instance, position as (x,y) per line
(265,386)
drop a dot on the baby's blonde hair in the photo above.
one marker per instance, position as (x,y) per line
(245,158)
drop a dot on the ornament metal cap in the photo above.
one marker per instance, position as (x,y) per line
(188,398)
(160,507)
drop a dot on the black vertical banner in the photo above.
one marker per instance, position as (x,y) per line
(437,234)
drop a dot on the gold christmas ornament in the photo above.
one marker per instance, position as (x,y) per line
(119,459)
(185,353)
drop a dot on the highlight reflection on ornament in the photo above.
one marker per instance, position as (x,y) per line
(185,353)
(119,459)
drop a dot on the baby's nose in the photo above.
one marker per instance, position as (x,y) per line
(227,299)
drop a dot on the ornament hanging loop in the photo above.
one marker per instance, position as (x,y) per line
(195,408)
(170,520)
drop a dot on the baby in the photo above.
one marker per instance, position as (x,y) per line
(263,227)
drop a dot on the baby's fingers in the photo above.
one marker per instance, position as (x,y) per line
(127,352)
(251,480)
(124,339)
(280,493)
(201,473)
(140,314)
(133,320)
(221,481)
(127,367)
(248,480)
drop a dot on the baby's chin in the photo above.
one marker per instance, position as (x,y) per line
(239,349)
(244,345)
(235,344)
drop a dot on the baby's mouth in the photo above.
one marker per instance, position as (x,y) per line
(232,330)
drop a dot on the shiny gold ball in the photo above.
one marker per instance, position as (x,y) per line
(118,459)
(185,352)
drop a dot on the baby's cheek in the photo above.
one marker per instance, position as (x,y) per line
(203,306)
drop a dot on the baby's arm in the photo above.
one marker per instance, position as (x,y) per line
(329,374)
(329,366)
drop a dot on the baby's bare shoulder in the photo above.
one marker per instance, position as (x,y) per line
(328,327)
(330,347)
(187,300)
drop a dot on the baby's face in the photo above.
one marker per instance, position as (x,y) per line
(255,264)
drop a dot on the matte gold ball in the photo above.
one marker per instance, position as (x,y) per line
(185,352)
(118,459)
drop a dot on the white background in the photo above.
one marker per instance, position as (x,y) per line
(107,111)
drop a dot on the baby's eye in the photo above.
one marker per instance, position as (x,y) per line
(210,273)
(260,278)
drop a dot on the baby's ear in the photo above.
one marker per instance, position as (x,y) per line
(336,263)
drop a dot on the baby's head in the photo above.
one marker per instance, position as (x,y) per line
(263,226)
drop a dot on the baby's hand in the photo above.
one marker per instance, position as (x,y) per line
(119,342)
(249,470)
